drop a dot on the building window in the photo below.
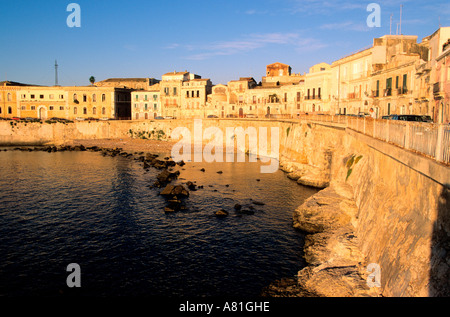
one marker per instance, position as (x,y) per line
(103,110)
(174,91)
(94,110)
(75,97)
(61,108)
(8,97)
(198,93)
(103,97)
(61,97)
(31,96)
(23,108)
(75,110)
(84,98)
(84,110)
(9,110)
(41,96)
(146,107)
(51,96)
(388,87)
(94,98)
(23,96)
(50,108)
(33,107)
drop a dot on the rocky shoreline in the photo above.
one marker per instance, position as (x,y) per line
(152,154)
(335,265)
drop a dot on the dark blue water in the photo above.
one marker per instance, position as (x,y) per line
(80,207)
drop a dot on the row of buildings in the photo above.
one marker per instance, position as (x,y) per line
(395,75)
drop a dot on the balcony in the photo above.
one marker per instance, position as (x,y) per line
(402,91)
(437,91)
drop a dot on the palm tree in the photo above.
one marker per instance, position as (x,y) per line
(92,80)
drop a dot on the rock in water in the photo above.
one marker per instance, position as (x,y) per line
(221,213)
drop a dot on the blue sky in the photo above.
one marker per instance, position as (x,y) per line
(217,39)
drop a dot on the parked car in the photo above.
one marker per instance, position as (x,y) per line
(169,117)
(427,119)
(250,116)
(16,118)
(32,119)
(159,118)
(231,116)
(409,117)
(80,119)
(212,116)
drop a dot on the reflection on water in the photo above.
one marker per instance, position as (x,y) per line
(79,207)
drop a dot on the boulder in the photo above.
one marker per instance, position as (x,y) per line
(221,213)
(177,190)
(326,210)
(190,185)
(167,177)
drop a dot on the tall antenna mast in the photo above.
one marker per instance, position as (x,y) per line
(390,25)
(56,73)
(401,7)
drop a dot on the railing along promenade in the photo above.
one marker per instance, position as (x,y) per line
(429,139)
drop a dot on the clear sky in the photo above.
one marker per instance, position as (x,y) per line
(217,39)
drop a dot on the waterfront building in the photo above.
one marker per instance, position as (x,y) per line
(237,95)
(72,102)
(146,104)
(441,86)
(130,83)
(217,102)
(317,89)
(394,73)
(9,92)
(351,83)
(279,74)
(194,96)
(170,96)
(436,44)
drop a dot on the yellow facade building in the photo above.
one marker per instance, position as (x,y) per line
(73,103)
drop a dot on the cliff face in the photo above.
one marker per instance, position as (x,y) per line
(377,210)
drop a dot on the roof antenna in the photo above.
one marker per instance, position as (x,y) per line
(390,26)
(401,7)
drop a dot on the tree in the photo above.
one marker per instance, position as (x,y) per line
(92,80)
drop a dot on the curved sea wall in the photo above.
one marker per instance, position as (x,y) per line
(382,215)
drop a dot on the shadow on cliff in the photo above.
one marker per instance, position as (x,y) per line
(440,248)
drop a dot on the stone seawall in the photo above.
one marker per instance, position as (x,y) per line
(380,204)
